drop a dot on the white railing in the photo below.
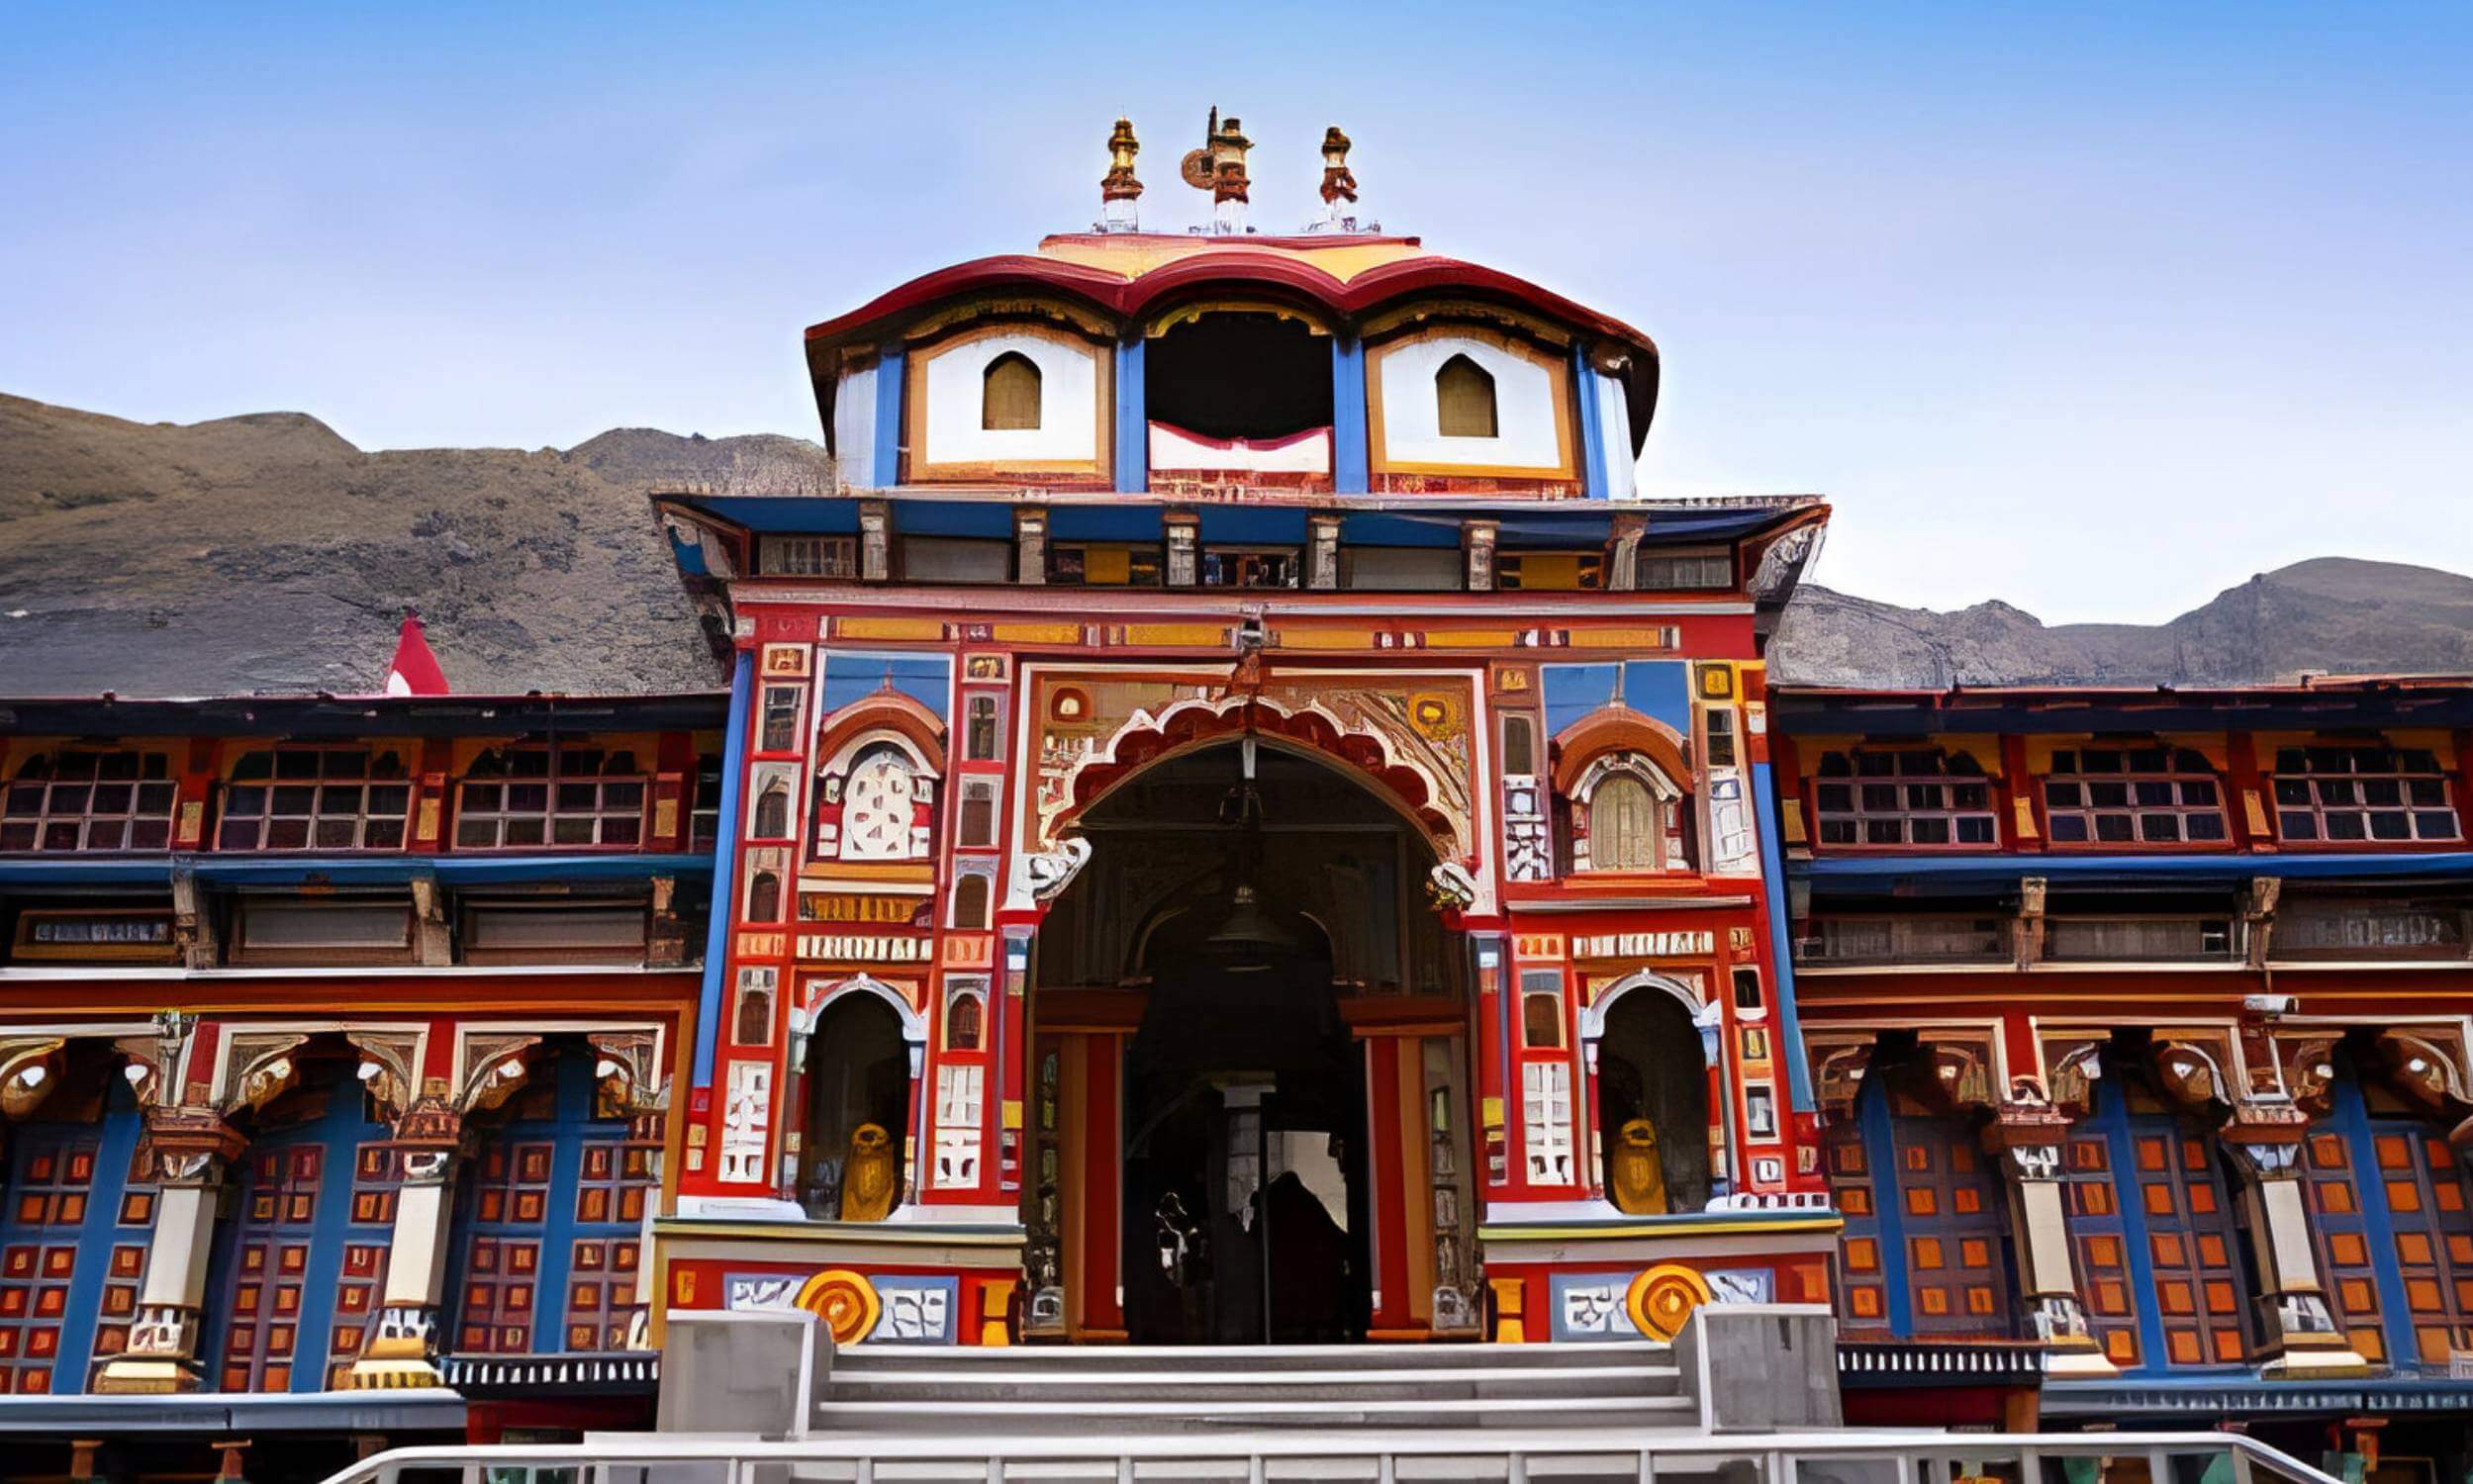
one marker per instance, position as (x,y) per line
(1847,1457)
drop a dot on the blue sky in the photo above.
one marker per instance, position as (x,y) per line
(2096,309)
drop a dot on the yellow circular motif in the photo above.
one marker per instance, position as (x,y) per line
(1434,713)
(846,1301)
(1662,1298)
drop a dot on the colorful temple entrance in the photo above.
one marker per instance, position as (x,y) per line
(1238,1007)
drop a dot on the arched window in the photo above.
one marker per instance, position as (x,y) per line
(1622,826)
(773,811)
(962,1014)
(764,897)
(1464,400)
(877,806)
(970,901)
(1009,394)
(755,1007)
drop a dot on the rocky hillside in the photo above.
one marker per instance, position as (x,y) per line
(2333,615)
(266,553)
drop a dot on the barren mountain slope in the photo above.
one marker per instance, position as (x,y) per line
(266,553)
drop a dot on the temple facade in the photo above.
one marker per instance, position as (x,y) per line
(1234,822)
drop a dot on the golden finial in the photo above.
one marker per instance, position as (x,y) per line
(1339,183)
(1119,183)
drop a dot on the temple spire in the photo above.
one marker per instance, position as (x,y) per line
(1119,190)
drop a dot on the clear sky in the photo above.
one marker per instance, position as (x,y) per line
(2096,309)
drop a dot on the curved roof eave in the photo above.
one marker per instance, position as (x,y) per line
(1126,299)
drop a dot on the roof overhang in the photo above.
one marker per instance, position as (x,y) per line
(1127,301)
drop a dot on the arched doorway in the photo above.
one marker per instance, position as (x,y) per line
(1651,1068)
(1251,1036)
(858,1097)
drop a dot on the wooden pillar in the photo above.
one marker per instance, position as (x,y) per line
(2028,1136)
(190,1146)
(2267,1139)
(403,1350)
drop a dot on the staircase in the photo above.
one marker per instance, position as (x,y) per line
(956,1392)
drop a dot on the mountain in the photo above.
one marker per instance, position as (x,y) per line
(266,553)
(2330,615)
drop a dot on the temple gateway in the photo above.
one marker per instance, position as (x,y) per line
(1234,824)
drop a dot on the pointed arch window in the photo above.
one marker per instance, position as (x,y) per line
(1464,400)
(1008,392)
(1622,826)
(773,811)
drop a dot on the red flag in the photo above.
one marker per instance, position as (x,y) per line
(415,671)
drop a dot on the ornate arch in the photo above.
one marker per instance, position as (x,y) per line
(1612,730)
(913,1024)
(882,715)
(1705,1017)
(1362,753)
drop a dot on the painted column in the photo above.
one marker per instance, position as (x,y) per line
(888,379)
(2266,1137)
(1133,421)
(1350,452)
(190,1146)
(1595,480)
(2027,1135)
(403,1349)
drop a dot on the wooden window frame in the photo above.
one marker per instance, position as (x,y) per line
(989,412)
(34,809)
(2302,790)
(243,952)
(28,949)
(2179,787)
(554,808)
(258,805)
(831,558)
(1859,813)
(473,914)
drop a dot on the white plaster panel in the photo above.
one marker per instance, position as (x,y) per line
(1525,438)
(1069,389)
(2289,1223)
(2047,1237)
(854,429)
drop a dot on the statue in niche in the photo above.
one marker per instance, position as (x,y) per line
(1639,1174)
(867,1183)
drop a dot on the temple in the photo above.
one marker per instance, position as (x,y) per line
(1235,822)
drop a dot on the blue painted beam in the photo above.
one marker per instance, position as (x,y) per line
(278,870)
(1799,1098)
(1351,451)
(1133,424)
(1880,874)
(889,372)
(1595,482)
(710,996)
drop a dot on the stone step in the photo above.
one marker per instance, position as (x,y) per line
(983,1419)
(1252,1358)
(1034,1386)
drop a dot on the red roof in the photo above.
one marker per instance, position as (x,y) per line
(1124,276)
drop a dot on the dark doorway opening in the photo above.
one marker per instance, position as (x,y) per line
(858,1094)
(1246,376)
(1245,1186)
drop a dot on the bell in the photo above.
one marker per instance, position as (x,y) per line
(1248,933)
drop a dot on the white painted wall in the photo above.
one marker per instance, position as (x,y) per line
(1069,389)
(1524,407)
(854,429)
